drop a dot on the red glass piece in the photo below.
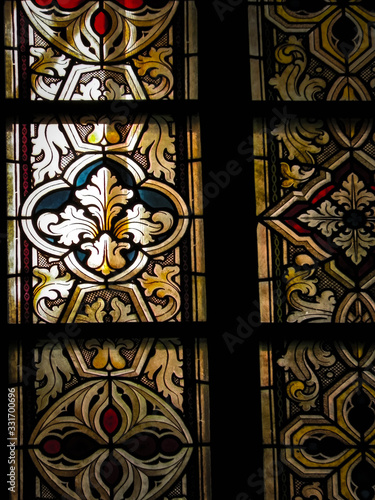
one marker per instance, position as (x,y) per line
(52,446)
(101,23)
(64,4)
(322,193)
(131,4)
(110,420)
(70,4)
(43,3)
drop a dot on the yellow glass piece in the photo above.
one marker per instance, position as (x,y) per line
(11,88)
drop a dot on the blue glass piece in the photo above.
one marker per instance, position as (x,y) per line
(53,201)
(81,256)
(155,199)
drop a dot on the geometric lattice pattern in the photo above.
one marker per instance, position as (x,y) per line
(314,174)
(321,51)
(317,233)
(312,65)
(318,416)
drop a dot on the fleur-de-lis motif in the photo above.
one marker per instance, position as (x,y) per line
(99,229)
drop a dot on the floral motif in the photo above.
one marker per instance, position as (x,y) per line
(302,137)
(98,230)
(162,283)
(304,358)
(156,142)
(302,293)
(165,367)
(156,65)
(49,147)
(100,31)
(96,312)
(354,224)
(52,369)
(119,426)
(103,130)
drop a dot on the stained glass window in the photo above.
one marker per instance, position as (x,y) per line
(104,227)
(100,50)
(312,66)
(106,205)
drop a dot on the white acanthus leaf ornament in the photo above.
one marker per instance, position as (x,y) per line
(49,146)
(47,64)
(51,287)
(156,142)
(99,228)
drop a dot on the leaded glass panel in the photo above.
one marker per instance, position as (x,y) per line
(313,156)
(313,170)
(105,215)
(110,418)
(101,50)
(104,221)
(76,180)
(312,51)
(315,199)
(318,419)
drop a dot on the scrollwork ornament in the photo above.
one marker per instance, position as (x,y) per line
(157,66)
(156,142)
(303,358)
(97,313)
(50,288)
(311,491)
(49,147)
(293,84)
(303,138)
(295,175)
(108,353)
(300,283)
(51,371)
(165,367)
(163,284)
(47,64)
